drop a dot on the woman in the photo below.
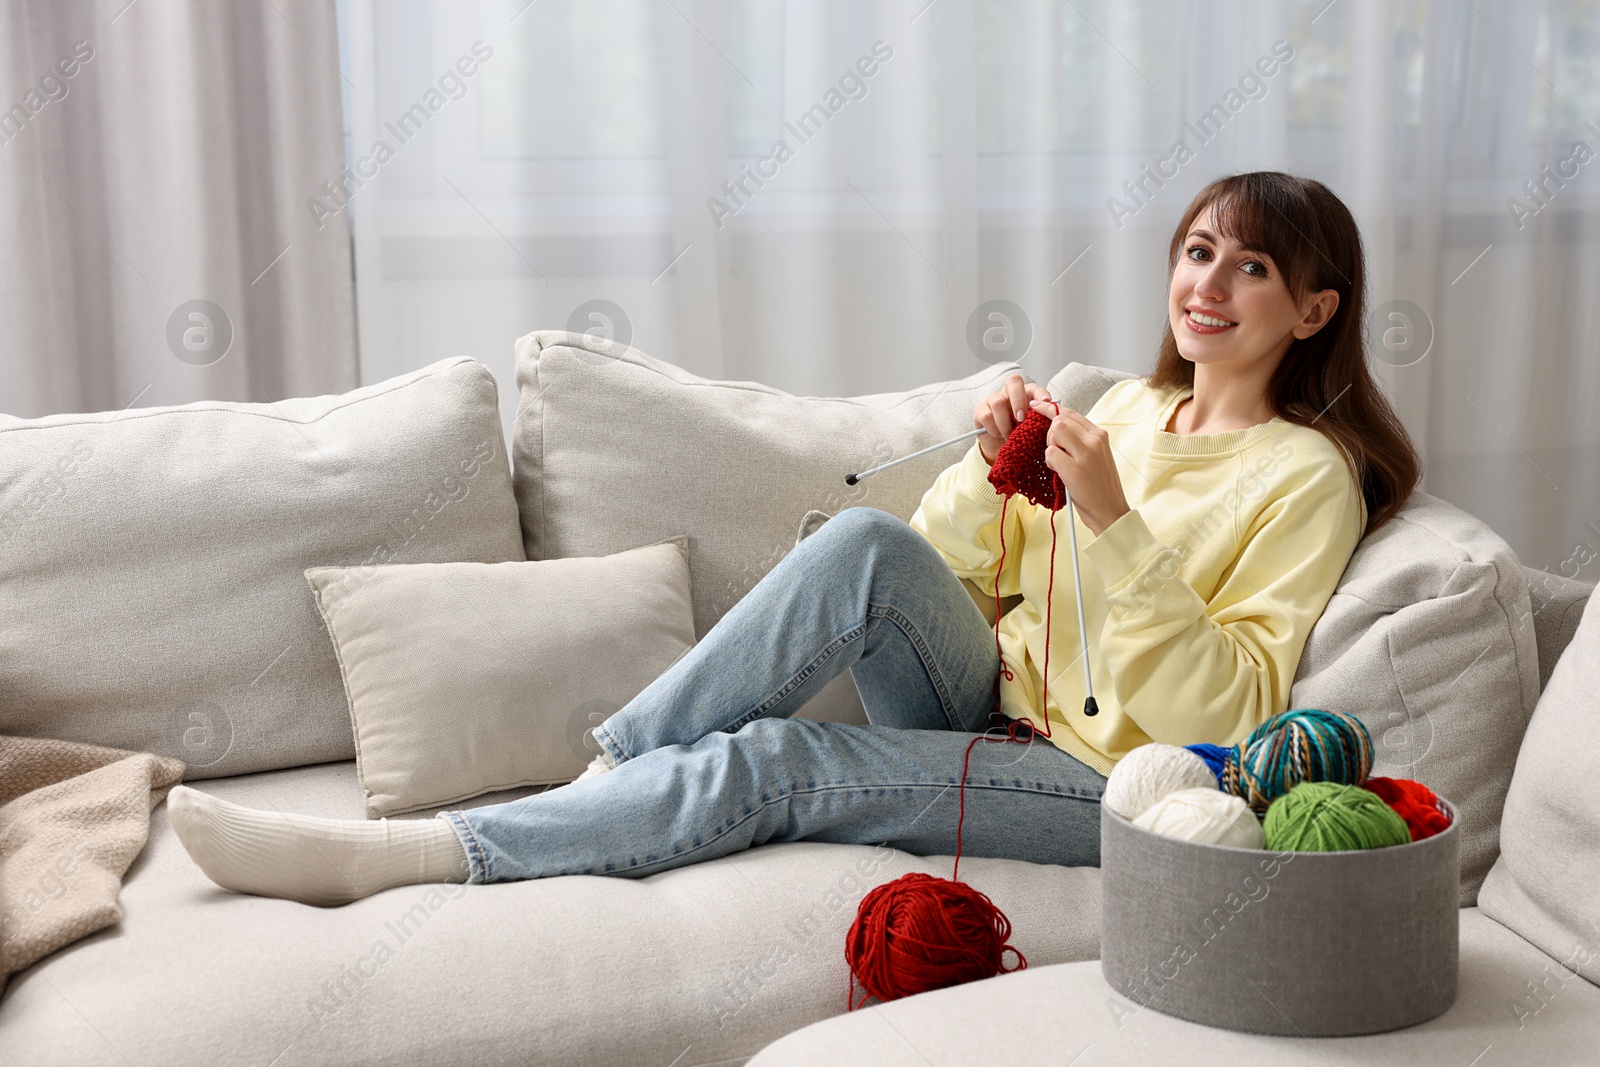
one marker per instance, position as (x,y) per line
(1220,498)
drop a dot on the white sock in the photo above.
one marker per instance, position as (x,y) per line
(310,859)
(599,765)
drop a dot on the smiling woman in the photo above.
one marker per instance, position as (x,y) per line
(1260,263)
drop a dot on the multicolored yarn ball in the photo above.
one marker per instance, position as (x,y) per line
(1215,757)
(1332,817)
(1205,816)
(919,933)
(1302,745)
(1150,772)
(1413,802)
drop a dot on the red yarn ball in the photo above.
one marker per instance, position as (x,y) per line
(919,932)
(1020,467)
(1413,802)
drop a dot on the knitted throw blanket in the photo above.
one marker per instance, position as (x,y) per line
(72,818)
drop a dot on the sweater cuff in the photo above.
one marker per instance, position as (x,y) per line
(975,474)
(1123,549)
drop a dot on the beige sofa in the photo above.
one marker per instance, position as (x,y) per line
(160,605)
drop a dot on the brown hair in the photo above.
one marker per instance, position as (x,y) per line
(1322,380)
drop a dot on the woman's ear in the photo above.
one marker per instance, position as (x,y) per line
(1316,312)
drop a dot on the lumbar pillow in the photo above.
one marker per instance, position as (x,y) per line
(152,558)
(1543,885)
(465,678)
(614,448)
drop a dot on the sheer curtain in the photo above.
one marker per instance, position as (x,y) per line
(155,246)
(849,196)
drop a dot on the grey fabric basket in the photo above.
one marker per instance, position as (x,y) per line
(1309,944)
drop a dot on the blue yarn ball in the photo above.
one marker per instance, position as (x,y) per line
(1215,757)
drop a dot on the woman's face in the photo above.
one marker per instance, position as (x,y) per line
(1246,311)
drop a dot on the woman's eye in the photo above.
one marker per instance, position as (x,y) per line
(1259,267)
(1192,249)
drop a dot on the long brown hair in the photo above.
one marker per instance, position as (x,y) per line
(1322,381)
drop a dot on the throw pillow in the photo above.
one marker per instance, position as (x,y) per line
(1543,885)
(152,558)
(466,678)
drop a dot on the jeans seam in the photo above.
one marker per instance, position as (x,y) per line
(602,733)
(475,850)
(799,677)
(711,842)
(946,701)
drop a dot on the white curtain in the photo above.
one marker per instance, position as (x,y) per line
(155,246)
(595,168)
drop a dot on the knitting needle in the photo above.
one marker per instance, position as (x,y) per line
(1090,708)
(852,479)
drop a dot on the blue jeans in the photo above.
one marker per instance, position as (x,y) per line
(709,761)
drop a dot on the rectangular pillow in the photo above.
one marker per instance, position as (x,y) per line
(1543,886)
(466,678)
(153,558)
(614,448)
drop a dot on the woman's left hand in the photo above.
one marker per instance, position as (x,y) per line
(1080,454)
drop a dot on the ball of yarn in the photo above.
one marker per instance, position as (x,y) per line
(1303,745)
(919,932)
(1149,773)
(1215,757)
(1413,802)
(1205,816)
(1332,817)
(1019,466)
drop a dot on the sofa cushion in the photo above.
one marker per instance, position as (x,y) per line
(152,558)
(698,965)
(1069,1014)
(465,678)
(1544,884)
(1556,604)
(615,449)
(1425,639)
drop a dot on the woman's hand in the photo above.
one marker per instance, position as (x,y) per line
(999,413)
(1080,454)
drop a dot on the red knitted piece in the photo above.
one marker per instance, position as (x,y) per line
(1020,465)
(1413,802)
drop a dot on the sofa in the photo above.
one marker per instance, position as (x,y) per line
(160,604)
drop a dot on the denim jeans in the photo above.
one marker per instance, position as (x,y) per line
(709,761)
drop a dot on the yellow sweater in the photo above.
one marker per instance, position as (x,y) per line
(1198,601)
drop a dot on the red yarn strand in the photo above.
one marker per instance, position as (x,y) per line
(918,932)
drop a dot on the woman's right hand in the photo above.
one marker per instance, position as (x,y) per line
(999,413)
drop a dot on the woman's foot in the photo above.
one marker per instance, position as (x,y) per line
(310,859)
(599,765)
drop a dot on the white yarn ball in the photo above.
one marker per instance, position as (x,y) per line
(1206,817)
(1149,773)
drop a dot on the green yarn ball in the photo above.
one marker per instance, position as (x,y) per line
(1332,817)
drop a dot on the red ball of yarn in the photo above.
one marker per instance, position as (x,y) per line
(1019,467)
(919,932)
(1413,802)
